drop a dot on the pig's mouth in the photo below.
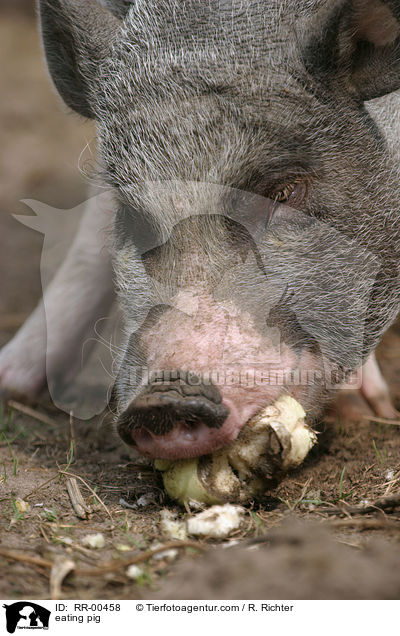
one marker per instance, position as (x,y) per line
(184,440)
(168,422)
(178,420)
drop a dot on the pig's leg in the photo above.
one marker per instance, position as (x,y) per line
(80,293)
(375,390)
(371,399)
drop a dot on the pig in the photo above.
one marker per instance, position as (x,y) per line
(248,151)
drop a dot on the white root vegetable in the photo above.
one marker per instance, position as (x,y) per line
(273,442)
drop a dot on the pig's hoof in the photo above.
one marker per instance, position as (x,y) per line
(20,377)
(383,407)
(376,392)
(352,406)
(272,443)
(372,399)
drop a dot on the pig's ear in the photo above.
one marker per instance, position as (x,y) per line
(77,35)
(357,43)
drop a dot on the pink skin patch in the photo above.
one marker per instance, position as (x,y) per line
(215,340)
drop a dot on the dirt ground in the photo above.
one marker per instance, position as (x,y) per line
(331,530)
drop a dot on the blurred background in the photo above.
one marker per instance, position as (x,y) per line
(44,150)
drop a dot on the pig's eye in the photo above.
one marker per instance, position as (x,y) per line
(294,194)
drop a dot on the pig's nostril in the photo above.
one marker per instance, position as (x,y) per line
(159,411)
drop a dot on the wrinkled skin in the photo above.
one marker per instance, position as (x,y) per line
(256,198)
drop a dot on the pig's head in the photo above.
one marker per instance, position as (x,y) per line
(256,237)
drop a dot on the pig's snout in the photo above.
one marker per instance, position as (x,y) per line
(183,413)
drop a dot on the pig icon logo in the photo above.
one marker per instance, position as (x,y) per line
(26,615)
(84,389)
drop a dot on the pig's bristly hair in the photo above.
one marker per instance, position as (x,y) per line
(242,94)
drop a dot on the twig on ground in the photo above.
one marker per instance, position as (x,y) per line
(59,570)
(351,545)
(365,524)
(386,504)
(39,487)
(78,503)
(303,492)
(109,566)
(391,483)
(113,566)
(72,434)
(12,555)
(44,534)
(101,502)
(39,571)
(27,410)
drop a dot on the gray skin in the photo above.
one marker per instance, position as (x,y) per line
(254,190)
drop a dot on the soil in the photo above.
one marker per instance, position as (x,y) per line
(314,532)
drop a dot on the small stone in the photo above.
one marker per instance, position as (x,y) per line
(95,541)
(171,527)
(218,522)
(65,540)
(122,547)
(22,506)
(134,572)
(144,501)
(167,555)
